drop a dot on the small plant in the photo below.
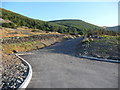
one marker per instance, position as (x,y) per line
(91,39)
(85,41)
(13,33)
(35,30)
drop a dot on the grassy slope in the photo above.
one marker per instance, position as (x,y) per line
(21,32)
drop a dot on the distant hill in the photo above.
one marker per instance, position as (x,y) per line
(115,28)
(81,26)
(70,26)
(77,24)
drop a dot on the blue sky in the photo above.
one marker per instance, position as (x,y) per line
(98,13)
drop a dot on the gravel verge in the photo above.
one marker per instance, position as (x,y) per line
(13,73)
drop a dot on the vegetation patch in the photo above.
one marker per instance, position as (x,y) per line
(23,46)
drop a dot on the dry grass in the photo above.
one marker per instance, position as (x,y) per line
(21,32)
(28,45)
(23,46)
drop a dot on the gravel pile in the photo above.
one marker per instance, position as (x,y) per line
(13,72)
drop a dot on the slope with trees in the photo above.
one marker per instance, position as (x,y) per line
(79,26)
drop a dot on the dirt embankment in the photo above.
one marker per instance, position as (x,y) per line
(30,43)
(106,47)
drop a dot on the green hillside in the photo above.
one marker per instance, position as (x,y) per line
(80,26)
(61,26)
(20,20)
(77,24)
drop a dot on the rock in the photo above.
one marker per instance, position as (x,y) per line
(85,52)
(96,55)
(19,81)
(20,78)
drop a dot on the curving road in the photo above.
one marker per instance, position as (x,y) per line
(58,67)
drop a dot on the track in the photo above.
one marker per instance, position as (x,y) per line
(57,66)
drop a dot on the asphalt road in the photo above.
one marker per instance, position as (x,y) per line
(57,66)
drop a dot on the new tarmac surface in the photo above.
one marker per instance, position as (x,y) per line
(57,66)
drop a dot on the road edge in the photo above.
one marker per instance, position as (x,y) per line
(29,76)
(100,59)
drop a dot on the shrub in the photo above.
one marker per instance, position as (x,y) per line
(35,30)
(9,25)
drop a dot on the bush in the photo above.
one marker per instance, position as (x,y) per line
(35,31)
(9,25)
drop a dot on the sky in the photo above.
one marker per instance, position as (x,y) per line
(97,13)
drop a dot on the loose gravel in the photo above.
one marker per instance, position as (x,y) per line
(13,72)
